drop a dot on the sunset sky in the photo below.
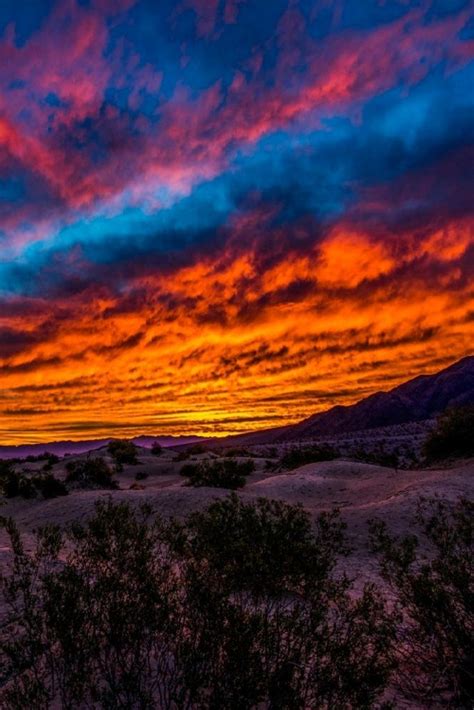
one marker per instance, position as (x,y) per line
(223,215)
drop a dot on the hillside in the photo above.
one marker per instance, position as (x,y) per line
(417,400)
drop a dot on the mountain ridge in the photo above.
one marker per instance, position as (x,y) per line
(421,398)
(69,447)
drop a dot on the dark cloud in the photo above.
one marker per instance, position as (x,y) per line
(205,206)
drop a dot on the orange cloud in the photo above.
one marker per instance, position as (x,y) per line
(348,258)
(223,346)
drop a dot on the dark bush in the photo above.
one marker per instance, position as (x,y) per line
(234,453)
(90,473)
(435,591)
(18,485)
(248,544)
(156,449)
(45,456)
(190,470)
(15,484)
(226,473)
(49,486)
(453,435)
(129,612)
(194,450)
(301,455)
(123,452)
(141,475)
(7,466)
(378,458)
(182,456)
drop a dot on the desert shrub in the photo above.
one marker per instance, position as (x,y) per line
(123,452)
(51,460)
(301,455)
(378,457)
(141,475)
(435,591)
(194,450)
(248,544)
(190,470)
(87,627)
(226,473)
(7,466)
(156,449)
(182,456)
(234,453)
(90,473)
(45,456)
(18,485)
(131,612)
(15,484)
(49,486)
(453,435)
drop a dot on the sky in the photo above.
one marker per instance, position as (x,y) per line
(224,215)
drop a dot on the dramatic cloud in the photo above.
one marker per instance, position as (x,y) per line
(215,212)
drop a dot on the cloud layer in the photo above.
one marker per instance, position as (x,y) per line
(223,214)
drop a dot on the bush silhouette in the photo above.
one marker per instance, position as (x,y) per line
(123,452)
(301,455)
(435,593)
(90,473)
(234,453)
(49,486)
(226,473)
(13,483)
(141,475)
(7,467)
(380,457)
(188,451)
(49,459)
(127,611)
(453,435)
(156,449)
(18,485)
(247,544)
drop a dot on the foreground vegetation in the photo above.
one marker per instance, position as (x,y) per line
(435,593)
(239,607)
(301,455)
(224,473)
(42,483)
(453,435)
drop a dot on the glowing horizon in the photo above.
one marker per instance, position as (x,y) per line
(222,215)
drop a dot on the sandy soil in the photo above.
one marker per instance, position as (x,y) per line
(361,491)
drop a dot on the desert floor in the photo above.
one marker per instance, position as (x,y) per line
(361,492)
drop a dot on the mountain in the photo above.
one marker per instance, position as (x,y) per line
(60,448)
(419,399)
(422,398)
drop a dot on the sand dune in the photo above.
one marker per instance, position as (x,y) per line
(361,491)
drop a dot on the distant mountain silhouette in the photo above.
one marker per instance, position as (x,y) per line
(60,448)
(422,398)
(419,399)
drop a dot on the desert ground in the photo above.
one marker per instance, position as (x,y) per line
(360,491)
